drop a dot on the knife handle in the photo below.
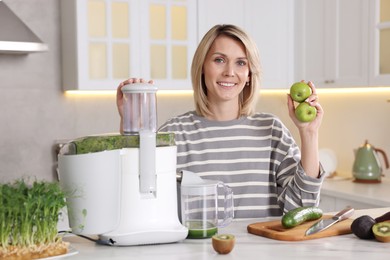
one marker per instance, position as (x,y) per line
(345,213)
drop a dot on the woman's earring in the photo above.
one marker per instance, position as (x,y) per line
(247,83)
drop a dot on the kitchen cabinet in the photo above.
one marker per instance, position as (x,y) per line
(380,42)
(270,23)
(107,41)
(332,42)
(331,204)
(338,194)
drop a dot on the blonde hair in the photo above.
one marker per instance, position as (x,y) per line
(249,94)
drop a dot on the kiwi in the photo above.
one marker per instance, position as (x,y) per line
(382,231)
(223,243)
(362,227)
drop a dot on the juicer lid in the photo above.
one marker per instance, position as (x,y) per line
(192,180)
(139,88)
(193,185)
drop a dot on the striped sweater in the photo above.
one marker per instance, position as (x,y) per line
(256,156)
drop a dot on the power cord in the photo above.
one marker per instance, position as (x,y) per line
(109,242)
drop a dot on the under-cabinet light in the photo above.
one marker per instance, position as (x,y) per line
(262,91)
(113,92)
(355,90)
(90,92)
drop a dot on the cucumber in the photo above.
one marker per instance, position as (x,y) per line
(299,215)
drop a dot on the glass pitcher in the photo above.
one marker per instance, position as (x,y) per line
(199,205)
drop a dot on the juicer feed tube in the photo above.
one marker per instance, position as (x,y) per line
(147,161)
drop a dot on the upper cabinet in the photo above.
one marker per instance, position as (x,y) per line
(380,42)
(331,42)
(343,43)
(270,23)
(334,43)
(107,41)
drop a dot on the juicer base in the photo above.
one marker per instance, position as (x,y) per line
(147,237)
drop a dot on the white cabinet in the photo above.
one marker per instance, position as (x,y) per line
(270,23)
(343,43)
(338,194)
(379,39)
(333,204)
(332,42)
(215,12)
(107,41)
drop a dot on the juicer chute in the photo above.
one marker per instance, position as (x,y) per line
(140,118)
(147,162)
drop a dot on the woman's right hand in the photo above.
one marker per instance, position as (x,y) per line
(119,96)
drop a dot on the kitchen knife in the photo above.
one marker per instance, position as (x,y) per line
(326,223)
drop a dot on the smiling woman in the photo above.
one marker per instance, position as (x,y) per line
(226,140)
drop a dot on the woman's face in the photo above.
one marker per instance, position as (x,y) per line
(225,69)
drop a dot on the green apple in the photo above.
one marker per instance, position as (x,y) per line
(305,113)
(300,91)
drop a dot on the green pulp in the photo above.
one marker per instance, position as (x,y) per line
(93,144)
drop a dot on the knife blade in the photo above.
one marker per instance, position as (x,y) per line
(326,223)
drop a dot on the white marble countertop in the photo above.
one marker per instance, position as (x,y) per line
(247,246)
(377,194)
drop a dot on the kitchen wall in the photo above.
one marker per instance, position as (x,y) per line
(35,113)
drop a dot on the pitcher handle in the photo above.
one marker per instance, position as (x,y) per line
(228,206)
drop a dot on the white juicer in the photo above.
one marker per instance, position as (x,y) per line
(127,196)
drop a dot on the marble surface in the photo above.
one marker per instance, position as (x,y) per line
(377,194)
(247,246)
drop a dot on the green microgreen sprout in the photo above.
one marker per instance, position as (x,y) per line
(29,214)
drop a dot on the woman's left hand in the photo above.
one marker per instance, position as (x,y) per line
(312,100)
(308,132)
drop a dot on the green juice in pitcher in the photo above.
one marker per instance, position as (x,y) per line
(199,229)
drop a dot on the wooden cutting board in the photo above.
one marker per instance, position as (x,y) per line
(275,230)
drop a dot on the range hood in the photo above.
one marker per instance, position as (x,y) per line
(15,36)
